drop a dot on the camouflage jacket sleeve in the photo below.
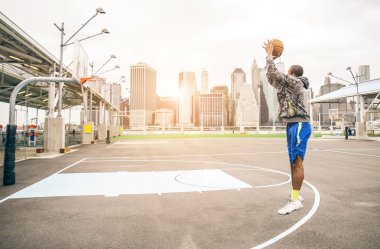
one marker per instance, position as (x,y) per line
(276,78)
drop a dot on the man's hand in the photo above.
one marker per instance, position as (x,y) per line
(269,49)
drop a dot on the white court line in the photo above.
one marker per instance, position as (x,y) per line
(142,143)
(200,155)
(208,162)
(71,165)
(317,199)
(350,153)
(135,143)
(357,149)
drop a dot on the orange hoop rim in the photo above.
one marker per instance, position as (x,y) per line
(84,79)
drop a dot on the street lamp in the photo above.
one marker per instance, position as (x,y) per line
(330,74)
(357,95)
(64,44)
(111,57)
(122,78)
(103,31)
(116,67)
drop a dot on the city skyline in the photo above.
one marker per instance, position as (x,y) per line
(177,36)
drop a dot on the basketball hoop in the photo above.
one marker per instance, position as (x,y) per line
(333,113)
(91,79)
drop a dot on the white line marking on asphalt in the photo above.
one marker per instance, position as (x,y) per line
(350,153)
(358,149)
(71,165)
(109,146)
(201,155)
(317,199)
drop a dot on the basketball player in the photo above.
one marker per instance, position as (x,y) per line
(290,94)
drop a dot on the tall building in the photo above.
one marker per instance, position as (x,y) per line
(238,79)
(124,108)
(143,95)
(268,101)
(364,73)
(212,110)
(168,103)
(247,110)
(186,115)
(255,73)
(204,81)
(266,95)
(116,94)
(223,89)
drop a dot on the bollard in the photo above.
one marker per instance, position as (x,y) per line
(108,139)
(9,176)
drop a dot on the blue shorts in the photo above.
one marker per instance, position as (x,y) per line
(297,135)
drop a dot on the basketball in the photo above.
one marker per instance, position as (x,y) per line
(278,47)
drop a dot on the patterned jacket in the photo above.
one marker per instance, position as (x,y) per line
(290,94)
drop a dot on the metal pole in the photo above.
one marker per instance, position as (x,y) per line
(79,29)
(9,176)
(358,116)
(60,84)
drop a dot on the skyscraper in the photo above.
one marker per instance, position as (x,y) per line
(364,73)
(255,72)
(247,110)
(224,91)
(143,95)
(212,110)
(238,79)
(268,98)
(186,99)
(204,81)
(169,103)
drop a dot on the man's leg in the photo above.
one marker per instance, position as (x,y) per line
(296,147)
(297,173)
(297,178)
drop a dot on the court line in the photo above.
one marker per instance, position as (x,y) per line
(317,199)
(358,149)
(350,153)
(194,155)
(71,165)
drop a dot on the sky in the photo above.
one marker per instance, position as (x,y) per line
(173,36)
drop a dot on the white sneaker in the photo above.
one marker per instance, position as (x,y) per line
(300,198)
(290,207)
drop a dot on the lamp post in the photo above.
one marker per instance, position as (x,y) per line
(122,79)
(64,44)
(111,57)
(116,67)
(358,116)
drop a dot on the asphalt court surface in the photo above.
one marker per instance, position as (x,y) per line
(194,193)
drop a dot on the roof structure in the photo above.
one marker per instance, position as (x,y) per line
(22,57)
(369,89)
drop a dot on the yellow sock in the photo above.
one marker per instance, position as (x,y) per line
(295,194)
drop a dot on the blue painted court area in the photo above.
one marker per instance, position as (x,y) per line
(130,183)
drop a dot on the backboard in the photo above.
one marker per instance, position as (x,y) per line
(80,61)
(333,113)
